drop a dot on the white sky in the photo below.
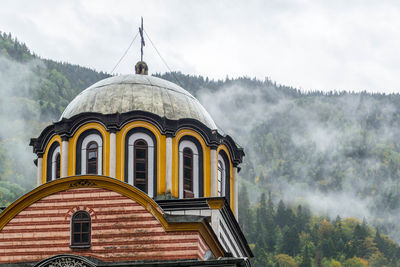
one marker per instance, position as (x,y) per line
(311,45)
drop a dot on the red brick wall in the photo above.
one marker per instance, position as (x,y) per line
(122,230)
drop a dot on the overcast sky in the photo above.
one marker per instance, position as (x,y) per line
(311,45)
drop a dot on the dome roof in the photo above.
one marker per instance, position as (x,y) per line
(139,92)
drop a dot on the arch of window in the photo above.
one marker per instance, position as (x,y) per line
(89,153)
(80,229)
(190,168)
(223,187)
(141,160)
(53,162)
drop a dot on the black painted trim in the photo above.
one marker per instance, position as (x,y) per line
(114,122)
(48,160)
(200,204)
(235,229)
(78,167)
(201,160)
(126,156)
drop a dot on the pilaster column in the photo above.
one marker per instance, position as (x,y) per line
(168,166)
(235,192)
(64,157)
(113,154)
(39,177)
(214,172)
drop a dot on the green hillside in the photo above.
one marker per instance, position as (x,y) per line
(315,155)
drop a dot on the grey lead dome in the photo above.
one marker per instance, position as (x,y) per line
(120,94)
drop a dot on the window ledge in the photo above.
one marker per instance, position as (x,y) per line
(79,246)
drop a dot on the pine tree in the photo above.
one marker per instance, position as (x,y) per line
(245,218)
(260,227)
(270,225)
(281,216)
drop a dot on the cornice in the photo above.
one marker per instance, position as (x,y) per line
(115,122)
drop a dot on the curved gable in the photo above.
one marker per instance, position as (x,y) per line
(126,224)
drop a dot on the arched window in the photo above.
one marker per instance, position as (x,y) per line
(188,191)
(190,168)
(89,153)
(140,162)
(53,162)
(58,166)
(223,186)
(80,229)
(221,178)
(92,157)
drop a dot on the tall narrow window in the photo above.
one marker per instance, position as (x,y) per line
(58,165)
(80,229)
(140,163)
(53,162)
(91,157)
(188,173)
(221,174)
(224,189)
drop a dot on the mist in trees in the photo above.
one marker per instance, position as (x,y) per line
(285,235)
(310,156)
(34,92)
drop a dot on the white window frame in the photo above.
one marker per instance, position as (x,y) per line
(188,144)
(54,163)
(150,160)
(223,175)
(95,138)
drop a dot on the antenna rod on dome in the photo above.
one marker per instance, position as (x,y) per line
(142,43)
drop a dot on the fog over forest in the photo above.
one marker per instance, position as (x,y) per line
(337,153)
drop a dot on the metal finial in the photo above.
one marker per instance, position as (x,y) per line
(142,43)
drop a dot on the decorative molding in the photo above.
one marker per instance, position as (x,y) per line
(66,261)
(82,183)
(216,203)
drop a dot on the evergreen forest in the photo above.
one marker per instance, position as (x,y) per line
(319,185)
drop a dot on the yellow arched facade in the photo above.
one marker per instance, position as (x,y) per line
(175,162)
(120,151)
(161,159)
(54,139)
(73,146)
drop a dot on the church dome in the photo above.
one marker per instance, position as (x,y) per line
(125,93)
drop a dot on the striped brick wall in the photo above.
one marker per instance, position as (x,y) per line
(122,230)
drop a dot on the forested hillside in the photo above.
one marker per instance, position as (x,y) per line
(34,92)
(310,157)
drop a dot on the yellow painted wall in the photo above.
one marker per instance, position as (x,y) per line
(161,147)
(106,147)
(55,138)
(161,155)
(175,162)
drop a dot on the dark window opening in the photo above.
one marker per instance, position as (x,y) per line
(140,162)
(92,158)
(81,229)
(58,165)
(188,173)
